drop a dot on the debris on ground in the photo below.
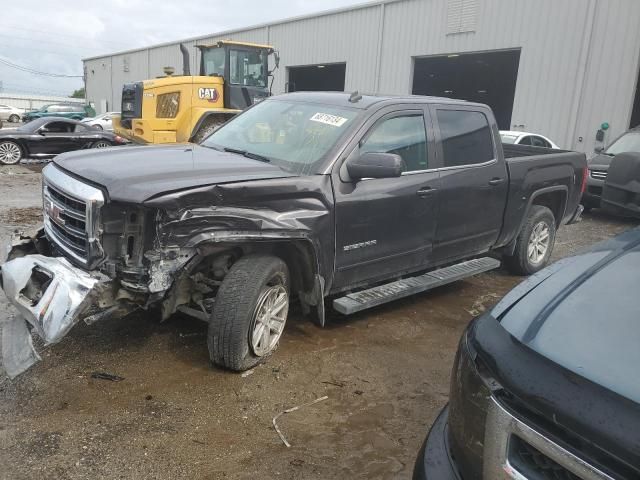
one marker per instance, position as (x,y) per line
(290,410)
(21,216)
(479,306)
(106,376)
(247,373)
(335,383)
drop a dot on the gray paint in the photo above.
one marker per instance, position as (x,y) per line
(578,65)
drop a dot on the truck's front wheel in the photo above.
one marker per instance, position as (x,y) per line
(250,312)
(534,243)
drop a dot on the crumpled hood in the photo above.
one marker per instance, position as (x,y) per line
(134,174)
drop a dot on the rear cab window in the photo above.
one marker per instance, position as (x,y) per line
(465,137)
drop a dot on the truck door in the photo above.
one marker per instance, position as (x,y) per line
(473,182)
(385,226)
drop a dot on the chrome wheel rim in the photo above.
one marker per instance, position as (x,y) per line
(9,153)
(269,319)
(539,243)
(101,145)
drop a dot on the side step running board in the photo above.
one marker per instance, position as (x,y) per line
(355,302)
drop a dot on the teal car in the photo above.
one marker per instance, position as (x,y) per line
(74,111)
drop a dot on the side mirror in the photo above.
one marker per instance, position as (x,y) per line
(42,131)
(599,149)
(375,165)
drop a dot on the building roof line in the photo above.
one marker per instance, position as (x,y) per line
(323,13)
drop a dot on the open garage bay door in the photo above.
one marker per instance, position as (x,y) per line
(311,78)
(487,77)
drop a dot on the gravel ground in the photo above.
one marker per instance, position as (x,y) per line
(385,372)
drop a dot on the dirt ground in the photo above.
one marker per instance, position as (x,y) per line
(385,373)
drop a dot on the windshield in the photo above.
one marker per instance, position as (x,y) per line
(629,142)
(294,136)
(508,138)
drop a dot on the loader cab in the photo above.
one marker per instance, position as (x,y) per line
(244,69)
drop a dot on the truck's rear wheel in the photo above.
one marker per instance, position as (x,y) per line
(250,312)
(208,127)
(534,243)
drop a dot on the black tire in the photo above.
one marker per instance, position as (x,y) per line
(10,153)
(208,127)
(234,314)
(520,263)
(14,118)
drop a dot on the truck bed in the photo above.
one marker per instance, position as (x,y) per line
(535,169)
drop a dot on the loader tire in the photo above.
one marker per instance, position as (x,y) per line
(208,127)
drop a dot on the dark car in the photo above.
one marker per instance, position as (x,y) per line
(326,198)
(628,142)
(74,111)
(545,385)
(50,136)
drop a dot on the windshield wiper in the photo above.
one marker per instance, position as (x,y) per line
(253,156)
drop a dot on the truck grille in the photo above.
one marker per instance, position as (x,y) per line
(535,464)
(71,215)
(598,174)
(513,449)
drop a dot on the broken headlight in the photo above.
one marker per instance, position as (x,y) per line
(469,397)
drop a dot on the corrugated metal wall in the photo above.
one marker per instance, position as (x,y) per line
(30,102)
(578,64)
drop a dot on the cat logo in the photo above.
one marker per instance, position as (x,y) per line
(209,94)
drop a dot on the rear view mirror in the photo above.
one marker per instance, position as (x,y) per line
(375,165)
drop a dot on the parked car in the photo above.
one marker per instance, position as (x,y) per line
(75,111)
(545,385)
(628,142)
(526,138)
(102,122)
(313,195)
(11,114)
(50,136)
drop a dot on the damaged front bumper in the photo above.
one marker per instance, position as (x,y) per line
(51,295)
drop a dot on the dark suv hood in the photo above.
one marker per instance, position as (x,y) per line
(600,161)
(585,312)
(136,173)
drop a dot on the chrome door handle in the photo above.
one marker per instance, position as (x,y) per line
(425,192)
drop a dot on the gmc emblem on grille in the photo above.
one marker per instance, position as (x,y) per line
(54,212)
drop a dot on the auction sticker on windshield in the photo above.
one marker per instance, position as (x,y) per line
(329,119)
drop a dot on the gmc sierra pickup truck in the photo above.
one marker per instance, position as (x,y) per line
(325,198)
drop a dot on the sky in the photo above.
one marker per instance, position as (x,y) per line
(53,36)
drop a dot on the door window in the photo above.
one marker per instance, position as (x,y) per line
(81,128)
(525,141)
(465,136)
(402,135)
(57,127)
(539,142)
(248,68)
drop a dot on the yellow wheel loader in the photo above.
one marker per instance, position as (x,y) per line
(186,108)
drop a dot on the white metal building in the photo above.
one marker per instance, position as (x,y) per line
(32,102)
(557,67)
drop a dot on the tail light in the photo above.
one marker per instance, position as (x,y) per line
(585,175)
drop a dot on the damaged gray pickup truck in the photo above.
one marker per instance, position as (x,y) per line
(305,196)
